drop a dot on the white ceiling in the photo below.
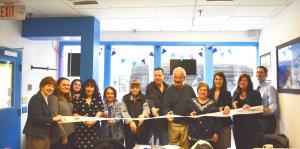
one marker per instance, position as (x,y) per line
(166,15)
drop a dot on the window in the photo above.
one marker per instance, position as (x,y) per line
(183,52)
(131,62)
(6,88)
(76,49)
(233,61)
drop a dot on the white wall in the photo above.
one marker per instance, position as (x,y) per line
(177,36)
(36,53)
(282,28)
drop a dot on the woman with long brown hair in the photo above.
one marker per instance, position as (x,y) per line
(75,89)
(245,127)
(90,104)
(222,98)
(61,103)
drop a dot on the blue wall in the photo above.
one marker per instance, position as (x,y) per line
(88,28)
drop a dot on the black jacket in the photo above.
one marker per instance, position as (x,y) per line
(135,108)
(250,121)
(156,99)
(39,117)
(224,99)
(155,96)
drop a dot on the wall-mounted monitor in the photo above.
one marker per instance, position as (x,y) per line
(288,66)
(73,64)
(189,65)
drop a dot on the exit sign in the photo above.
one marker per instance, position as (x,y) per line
(12,12)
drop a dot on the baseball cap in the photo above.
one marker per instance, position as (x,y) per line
(135,81)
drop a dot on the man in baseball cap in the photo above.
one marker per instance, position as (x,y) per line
(135,105)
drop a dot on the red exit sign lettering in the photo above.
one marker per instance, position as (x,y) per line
(7,11)
(12,12)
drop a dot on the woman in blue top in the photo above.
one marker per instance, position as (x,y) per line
(112,129)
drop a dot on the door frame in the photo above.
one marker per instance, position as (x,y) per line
(15,55)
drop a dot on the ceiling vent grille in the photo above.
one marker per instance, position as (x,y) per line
(219,0)
(84,2)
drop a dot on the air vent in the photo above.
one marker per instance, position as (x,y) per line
(219,0)
(85,2)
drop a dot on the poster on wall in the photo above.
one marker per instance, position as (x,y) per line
(265,60)
(288,66)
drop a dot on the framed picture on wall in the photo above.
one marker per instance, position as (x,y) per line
(265,60)
(288,67)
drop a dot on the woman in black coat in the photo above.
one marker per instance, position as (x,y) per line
(245,127)
(222,98)
(39,120)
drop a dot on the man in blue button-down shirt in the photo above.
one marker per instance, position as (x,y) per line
(269,101)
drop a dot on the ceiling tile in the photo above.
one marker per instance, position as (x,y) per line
(121,13)
(215,11)
(135,12)
(61,13)
(175,28)
(206,28)
(114,28)
(108,24)
(166,15)
(46,4)
(128,3)
(174,11)
(244,20)
(237,27)
(209,20)
(162,3)
(174,21)
(94,6)
(142,22)
(255,11)
(101,4)
(220,3)
(100,13)
(263,2)
(131,23)
(146,28)
(34,13)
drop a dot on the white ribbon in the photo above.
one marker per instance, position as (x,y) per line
(240,111)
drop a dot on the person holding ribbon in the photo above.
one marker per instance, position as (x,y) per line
(175,102)
(222,98)
(135,105)
(155,92)
(40,119)
(87,133)
(245,127)
(112,129)
(269,101)
(203,128)
(61,104)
